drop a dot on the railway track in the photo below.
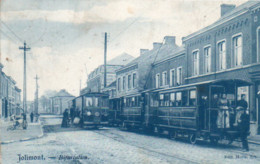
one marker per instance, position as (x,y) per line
(119,138)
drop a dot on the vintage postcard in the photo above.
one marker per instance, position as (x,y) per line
(129,81)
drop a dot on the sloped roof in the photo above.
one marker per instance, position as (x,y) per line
(233,13)
(122,59)
(146,60)
(63,93)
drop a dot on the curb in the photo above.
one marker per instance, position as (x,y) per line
(24,139)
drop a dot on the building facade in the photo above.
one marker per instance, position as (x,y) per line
(95,82)
(227,49)
(10,96)
(60,101)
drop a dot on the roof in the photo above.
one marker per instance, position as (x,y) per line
(233,13)
(148,58)
(122,59)
(238,82)
(63,93)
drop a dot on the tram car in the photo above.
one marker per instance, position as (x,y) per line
(191,111)
(92,108)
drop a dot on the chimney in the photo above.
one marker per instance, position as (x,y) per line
(170,40)
(142,51)
(156,45)
(226,8)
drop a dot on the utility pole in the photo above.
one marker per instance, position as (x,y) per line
(24,48)
(36,95)
(79,86)
(105,61)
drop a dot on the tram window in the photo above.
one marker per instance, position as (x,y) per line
(154,100)
(95,102)
(193,97)
(231,99)
(133,101)
(167,99)
(161,100)
(89,101)
(178,99)
(184,99)
(172,99)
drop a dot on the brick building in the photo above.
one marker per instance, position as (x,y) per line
(95,82)
(10,96)
(226,49)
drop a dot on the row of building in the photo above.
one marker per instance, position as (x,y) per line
(10,96)
(226,49)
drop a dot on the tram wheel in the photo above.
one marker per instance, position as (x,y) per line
(193,139)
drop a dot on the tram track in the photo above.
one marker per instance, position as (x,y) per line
(119,138)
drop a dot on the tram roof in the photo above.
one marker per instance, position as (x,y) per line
(238,82)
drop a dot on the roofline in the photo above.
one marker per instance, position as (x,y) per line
(125,67)
(211,26)
(170,57)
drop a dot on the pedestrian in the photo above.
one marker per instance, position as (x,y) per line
(31,115)
(65,119)
(243,126)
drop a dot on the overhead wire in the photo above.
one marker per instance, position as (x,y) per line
(11,31)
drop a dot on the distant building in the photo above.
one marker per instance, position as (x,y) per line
(59,102)
(95,81)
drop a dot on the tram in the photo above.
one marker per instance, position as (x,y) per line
(92,109)
(190,110)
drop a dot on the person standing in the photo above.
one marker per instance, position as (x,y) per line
(243,103)
(244,125)
(31,116)
(65,118)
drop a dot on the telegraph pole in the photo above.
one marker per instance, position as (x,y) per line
(36,94)
(105,61)
(24,48)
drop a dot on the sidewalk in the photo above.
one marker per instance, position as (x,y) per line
(33,131)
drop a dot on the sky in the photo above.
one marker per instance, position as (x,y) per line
(66,37)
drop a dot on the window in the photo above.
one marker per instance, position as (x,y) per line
(172,99)
(129,81)
(179,76)
(193,97)
(178,99)
(154,100)
(195,63)
(119,84)
(124,83)
(134,80)
(89,101)
(222,55)
(157,80)
(164,78)
(172,77)
(237,50)
(207,57)
(184,98)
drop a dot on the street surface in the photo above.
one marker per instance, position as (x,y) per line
(111,145)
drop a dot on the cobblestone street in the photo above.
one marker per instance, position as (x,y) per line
(111,145)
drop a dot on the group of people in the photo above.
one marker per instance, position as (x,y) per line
(70,116)
(36,115)
(228,117)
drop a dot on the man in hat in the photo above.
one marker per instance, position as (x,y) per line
(243,127)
